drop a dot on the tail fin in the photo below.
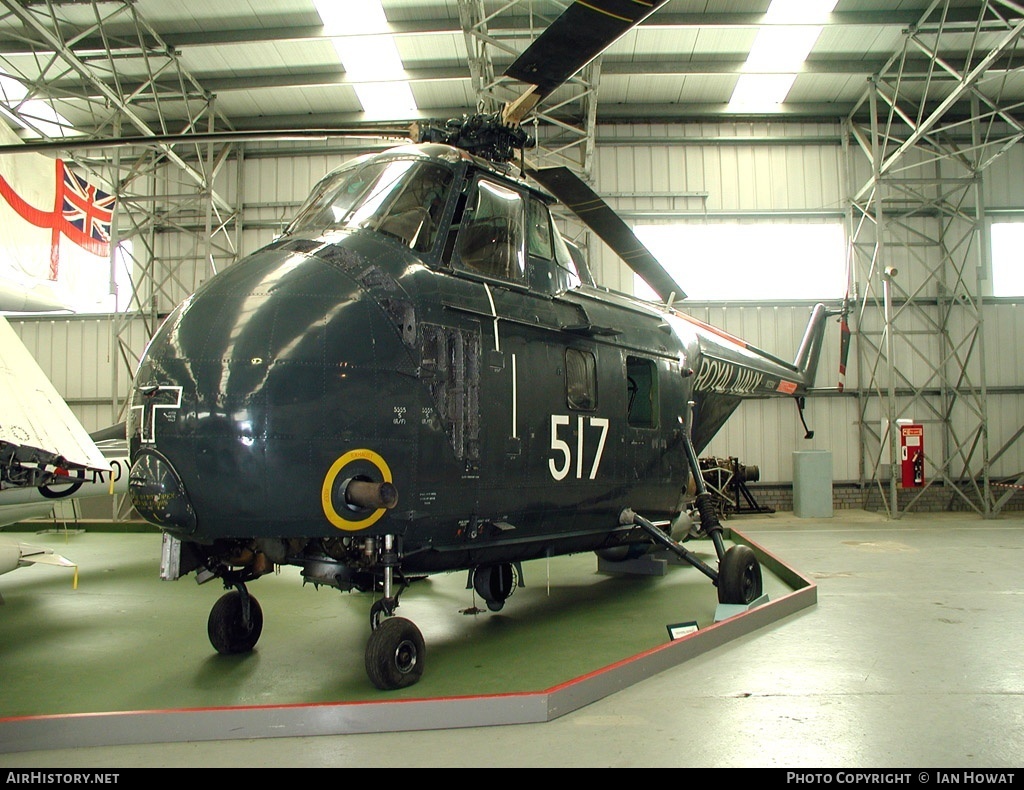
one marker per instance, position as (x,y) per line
(807,356)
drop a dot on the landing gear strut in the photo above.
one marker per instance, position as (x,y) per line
(738,577)
(395,651)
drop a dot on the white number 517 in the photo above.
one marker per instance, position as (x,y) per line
(562,447)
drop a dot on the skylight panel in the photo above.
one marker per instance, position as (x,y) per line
(761,91)
(779,50)
(45,119)
(368,52)
(782,48)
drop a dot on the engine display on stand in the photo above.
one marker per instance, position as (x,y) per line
(726,479)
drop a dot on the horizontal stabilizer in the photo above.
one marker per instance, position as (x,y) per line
(47,557)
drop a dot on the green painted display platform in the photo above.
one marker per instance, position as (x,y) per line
(132,650)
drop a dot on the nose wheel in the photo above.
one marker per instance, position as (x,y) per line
(395,654)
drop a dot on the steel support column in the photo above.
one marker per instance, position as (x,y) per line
(917,253)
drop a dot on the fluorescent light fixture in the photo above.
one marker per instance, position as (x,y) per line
(368,52)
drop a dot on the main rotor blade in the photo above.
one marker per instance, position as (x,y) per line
(374,132)
(580,34)
(600,218)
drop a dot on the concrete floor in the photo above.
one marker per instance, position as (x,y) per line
(913,656)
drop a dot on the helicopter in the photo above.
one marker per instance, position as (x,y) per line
(436,373)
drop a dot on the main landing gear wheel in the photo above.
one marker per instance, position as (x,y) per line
(739,576)
(395,654)
(229,630)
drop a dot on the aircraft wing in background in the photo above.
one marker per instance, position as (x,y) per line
(16,297)
(27,502)
(41,440)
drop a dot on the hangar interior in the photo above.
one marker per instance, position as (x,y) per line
(900,126)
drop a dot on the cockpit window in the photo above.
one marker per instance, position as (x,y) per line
(333,196)
(552,268)
(402,198)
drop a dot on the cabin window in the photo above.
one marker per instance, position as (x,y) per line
(491,236)
(580,380)
(642,392)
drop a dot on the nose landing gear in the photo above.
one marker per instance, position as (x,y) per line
(394,654)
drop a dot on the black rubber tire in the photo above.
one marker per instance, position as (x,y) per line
(227,629)
(395,654)
(739,576)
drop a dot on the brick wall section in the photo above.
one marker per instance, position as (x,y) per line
(935,498)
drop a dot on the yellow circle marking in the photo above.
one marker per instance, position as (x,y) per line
(325,492)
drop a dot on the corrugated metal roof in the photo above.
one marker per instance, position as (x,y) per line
(269,64)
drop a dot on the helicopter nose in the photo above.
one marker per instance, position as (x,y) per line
(158,494)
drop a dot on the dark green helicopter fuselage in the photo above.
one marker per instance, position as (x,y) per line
(511,417)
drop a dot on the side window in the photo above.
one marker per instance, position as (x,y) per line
(491,237)
(538,228)
(580,380)
(642,383)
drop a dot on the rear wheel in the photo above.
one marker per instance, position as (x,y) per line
(739,576)
(395,654)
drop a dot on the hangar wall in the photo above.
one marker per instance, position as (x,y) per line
(782,172)
(805,173)
(744,173)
